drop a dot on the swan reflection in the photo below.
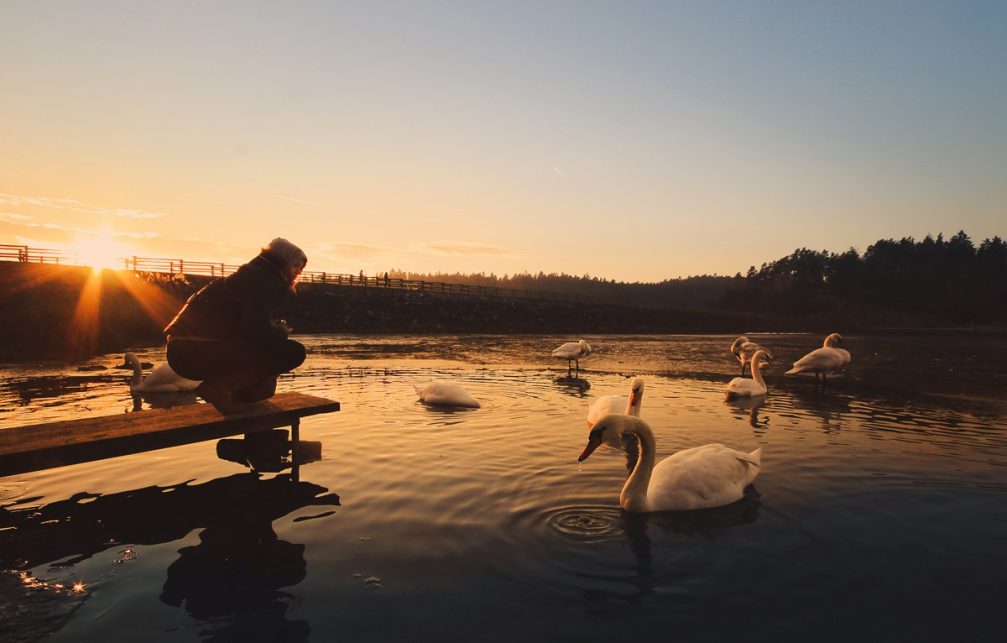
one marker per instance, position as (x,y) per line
(573,386)
(749,407)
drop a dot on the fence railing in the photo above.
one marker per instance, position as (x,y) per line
(26,254)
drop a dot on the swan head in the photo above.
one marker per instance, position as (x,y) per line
(762,356)
(738,343)
(835,339)
(636,391)
(130,360)
(585,348)
(608,430)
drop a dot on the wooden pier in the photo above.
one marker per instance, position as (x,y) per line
(56,444)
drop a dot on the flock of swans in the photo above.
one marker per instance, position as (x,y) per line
(707,476)
(703,477)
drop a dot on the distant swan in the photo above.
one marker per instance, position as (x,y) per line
(608,404)
(161,380)
(744,349)
(572,352)
(741,387)
(827,359)
(445,394)
(708,476)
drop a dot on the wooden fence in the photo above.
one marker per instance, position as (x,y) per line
(26,254)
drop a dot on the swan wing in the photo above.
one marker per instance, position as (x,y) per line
(569,350)
(708,476)
(446,394)
(606,405)
(742,387)
(821,359)
(163,379)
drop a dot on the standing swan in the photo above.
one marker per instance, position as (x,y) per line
(607,404)
(827,359)
(708,476)
(741,387)
(572,352)
(161,380)
(744,350)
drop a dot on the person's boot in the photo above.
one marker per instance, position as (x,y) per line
(218,394)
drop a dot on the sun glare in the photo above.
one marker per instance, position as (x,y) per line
(100,251)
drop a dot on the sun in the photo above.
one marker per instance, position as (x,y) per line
(100,251)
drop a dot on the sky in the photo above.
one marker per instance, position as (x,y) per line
(628,140)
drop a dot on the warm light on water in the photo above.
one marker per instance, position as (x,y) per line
(479,524)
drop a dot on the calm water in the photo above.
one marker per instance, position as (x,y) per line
(880,513)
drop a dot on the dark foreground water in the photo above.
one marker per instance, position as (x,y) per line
(880,513)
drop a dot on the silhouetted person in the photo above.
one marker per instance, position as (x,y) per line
(227,335)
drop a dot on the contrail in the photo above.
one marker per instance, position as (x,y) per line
(558,171)
(290,198)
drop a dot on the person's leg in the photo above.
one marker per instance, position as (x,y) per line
(273,359)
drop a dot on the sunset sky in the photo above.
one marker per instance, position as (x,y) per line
(629,140)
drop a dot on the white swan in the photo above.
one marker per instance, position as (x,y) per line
(743,349)
(446,394)
(572,352)
(608,404)
(827,359)
(161,380)
(742,387)
(708,476)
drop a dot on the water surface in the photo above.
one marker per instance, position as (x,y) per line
(880,512)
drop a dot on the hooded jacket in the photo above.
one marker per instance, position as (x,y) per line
(241,305)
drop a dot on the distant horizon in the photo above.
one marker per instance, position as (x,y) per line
(379,272)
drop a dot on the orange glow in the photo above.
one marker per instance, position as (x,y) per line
(100,251)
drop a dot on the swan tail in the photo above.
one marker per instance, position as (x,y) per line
(755,459)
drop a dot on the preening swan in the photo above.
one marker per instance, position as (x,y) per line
(572,352)
(161,380)
(607,404)
(744,350)
(741,387)
(445,394)
(702,477)
(827,359)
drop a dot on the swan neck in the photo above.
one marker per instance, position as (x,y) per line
(757,372)
(634,492)
(137,374)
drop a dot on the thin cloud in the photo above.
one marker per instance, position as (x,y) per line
(353,250)
(17,200)
(466,248)
(290,198)
(558,171)
(12,217)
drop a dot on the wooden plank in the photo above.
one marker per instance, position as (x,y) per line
(41,446)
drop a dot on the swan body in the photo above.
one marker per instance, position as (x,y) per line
(742,387)
(699,478)
(161,380)
(572,352)
(827,359)
(608,404)
(744,350)
(446,394)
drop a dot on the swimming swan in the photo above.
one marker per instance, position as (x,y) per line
(742,387)
(572,352)
(445,394)
(708,476)
(827,359)
(744,349)
(607,404)
(161,380)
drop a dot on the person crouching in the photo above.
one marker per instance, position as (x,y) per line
(227,335)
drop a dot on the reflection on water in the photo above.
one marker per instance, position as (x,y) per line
(901,460)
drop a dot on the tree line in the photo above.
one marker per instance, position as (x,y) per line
(951,280)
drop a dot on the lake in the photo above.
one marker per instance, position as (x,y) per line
(880,512)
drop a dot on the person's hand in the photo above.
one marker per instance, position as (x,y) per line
(284,326)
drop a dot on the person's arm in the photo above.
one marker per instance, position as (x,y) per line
(256,321)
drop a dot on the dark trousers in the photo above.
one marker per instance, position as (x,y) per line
(247,369)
